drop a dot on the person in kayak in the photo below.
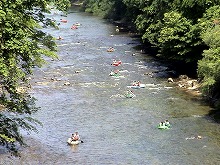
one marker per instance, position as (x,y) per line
(116,71)
(75,136)
(74,27)
(111,49)
(60,38)
(161,124)
(167,123)
(136,83)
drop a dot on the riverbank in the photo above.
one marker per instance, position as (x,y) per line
(189,85)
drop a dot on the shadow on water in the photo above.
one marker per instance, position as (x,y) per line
(215,114)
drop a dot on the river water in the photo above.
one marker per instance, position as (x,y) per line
(76,93)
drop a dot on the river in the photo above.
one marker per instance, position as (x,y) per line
(76,93)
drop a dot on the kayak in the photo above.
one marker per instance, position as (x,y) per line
(137,86)
(71,142)
(164,126)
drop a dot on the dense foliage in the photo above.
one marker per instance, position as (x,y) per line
(209,65)
(180,30)
(111,9)
(23,46)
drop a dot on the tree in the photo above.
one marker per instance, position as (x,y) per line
(209,65)
(152,11)
(108,9)
(23,46)
(177,38)
(194,9)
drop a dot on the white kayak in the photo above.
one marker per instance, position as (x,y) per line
(137,86)
(72,142)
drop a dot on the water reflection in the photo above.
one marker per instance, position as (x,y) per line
(74,148)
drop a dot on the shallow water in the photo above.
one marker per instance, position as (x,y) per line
(77,93)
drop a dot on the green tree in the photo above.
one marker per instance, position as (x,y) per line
(108,9)
(171,27)
(152,11)
(209,65)
(23,46)
(177,38)
(193,9)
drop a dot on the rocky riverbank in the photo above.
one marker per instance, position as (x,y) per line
(191,86)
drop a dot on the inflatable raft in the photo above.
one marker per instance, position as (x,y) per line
(71,142)
(116,63)
(114,74)
(130,95)
(164,126)
(110,50)
(63,20)
(137,86)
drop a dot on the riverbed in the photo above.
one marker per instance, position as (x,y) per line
(76,93)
